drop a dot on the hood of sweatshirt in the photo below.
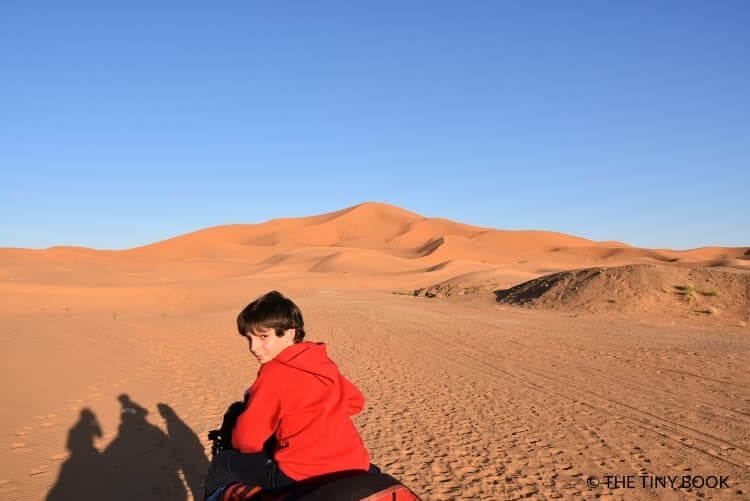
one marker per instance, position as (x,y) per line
(309,357)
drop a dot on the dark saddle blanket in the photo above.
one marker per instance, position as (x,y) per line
(346,486)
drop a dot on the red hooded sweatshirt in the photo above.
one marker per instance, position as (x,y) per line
(302,397)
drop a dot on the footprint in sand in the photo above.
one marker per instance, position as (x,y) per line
(74,405)
(39,470)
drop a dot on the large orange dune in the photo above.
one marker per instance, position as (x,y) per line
(368,245)
(496,364)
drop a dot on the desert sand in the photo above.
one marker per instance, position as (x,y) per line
(495,364)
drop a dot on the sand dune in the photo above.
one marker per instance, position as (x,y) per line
(359,241)
(612,366)
(637,288)
(368,245)
(371,226)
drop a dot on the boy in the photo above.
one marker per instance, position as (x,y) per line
(299,396)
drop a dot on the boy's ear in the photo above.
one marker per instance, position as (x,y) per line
(292,330)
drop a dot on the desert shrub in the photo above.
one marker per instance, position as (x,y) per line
(687,292)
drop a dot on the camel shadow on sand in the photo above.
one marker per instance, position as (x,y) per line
(142,462)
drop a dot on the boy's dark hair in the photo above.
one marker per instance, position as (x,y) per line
(274,311)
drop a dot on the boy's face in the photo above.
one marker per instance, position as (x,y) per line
(265,344)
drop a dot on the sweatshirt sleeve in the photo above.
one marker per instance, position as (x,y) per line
(354,399)
(261,416)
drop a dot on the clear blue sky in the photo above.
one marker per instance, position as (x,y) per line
(124,123)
